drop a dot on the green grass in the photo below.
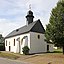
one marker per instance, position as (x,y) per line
(8,55)
(58,50)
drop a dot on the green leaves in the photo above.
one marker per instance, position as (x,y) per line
(55,28)
(1,39)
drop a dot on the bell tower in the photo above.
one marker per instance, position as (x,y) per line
(29,16)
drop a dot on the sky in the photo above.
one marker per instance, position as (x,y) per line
(13,12)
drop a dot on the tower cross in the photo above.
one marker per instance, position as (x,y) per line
(29,6)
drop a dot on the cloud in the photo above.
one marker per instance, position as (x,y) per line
(13,12)
(6,26)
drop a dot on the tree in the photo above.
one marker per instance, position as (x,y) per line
(55,29)
(1,39)
(2,44)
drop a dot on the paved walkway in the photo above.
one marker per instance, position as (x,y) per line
(8,61)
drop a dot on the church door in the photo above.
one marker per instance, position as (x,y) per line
(47,48)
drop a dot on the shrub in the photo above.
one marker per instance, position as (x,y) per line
(25,50)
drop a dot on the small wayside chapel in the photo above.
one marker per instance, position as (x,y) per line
(31,35)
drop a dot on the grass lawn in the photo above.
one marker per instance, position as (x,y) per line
(43,58)
(58,50)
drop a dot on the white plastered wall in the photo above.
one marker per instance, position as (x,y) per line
(37,45)
(15,48)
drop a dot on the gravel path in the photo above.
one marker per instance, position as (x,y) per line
(8,61)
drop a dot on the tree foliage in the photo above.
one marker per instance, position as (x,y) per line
(55,28)
(2,43)
(1,39)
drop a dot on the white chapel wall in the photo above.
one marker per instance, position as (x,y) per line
(15,48)
(37,45)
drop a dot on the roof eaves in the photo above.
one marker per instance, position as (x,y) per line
(16,35)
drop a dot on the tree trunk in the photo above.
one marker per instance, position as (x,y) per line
(63,49)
